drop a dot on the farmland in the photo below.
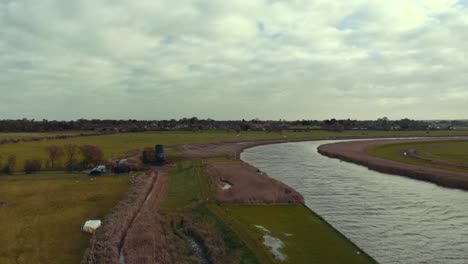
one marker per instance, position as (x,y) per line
(41,223)
(117,144)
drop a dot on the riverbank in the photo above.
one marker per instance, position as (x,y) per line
(356,152)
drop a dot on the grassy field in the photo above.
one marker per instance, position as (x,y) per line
(26,135)
(42,222)
(453,151)
(306,238)
(117,144)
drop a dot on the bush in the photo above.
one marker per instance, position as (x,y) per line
(31,166)
(9,167)
(148,156)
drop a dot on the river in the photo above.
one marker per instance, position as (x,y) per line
(394,219)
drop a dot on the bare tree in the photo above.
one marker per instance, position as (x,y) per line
(92,155)
(71,153)
(55,152)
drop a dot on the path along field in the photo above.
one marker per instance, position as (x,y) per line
(44,213)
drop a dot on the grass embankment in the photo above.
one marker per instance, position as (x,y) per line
(117,144)
(306,237)
(451,151)
(42,222)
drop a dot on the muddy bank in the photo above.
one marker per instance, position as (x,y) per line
(106,242)
(355,151)
(247,185)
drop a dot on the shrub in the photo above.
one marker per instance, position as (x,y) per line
(148,156)
(31,166)
(9,167)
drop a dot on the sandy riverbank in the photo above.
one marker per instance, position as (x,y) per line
(355,152)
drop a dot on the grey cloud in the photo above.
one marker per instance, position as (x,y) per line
(230,60)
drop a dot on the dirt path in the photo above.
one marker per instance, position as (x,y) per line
(355,151)
(149,239)
(146,191)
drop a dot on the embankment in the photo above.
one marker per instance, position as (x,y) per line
(356,152)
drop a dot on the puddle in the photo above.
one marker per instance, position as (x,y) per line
(225,185)
(275,245)
(198,253)
(122,256)
(262,228)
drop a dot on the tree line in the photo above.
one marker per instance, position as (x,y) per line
(75,157)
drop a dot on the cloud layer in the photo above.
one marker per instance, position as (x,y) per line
(233,59)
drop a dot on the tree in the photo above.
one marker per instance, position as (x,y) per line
(71,153)
(31,166)
(9,167)
(55,152)
(92,155)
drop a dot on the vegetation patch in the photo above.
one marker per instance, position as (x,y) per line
(305,237)
(450,151)
(42,223)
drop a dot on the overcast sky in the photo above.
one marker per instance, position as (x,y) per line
(270,59)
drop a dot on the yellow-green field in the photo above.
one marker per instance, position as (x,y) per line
(117,144)
(42,222)
(27,135)
(451,151)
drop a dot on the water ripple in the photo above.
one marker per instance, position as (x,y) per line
(394,219)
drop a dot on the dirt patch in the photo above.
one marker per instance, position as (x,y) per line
(356,152)
(249,186)
(3,204)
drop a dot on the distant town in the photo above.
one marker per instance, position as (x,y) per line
(196,124)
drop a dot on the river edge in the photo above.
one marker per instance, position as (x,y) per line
(356,152)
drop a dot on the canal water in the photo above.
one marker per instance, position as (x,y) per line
(394,219)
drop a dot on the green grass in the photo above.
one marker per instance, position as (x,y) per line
(42,223)
(306,238)
(453,151)
(184,186)
(117,144)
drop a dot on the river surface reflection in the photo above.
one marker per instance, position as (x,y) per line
(393,218)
